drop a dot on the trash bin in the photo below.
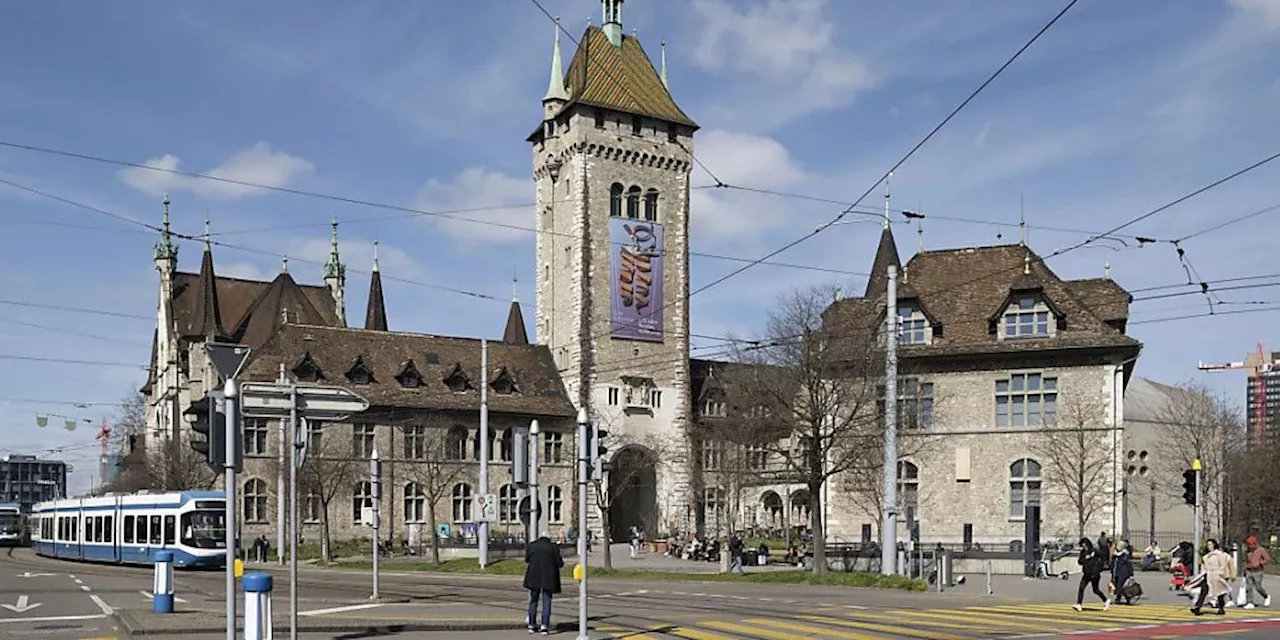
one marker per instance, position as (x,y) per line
(750,557)
(945,574)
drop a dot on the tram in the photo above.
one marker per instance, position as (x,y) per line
(131,528)
(13,525)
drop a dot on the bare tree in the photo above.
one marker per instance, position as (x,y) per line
(865,486)
(330,470)
(168,465)
(435,469)
(1078,457)
(1199,424)
(1253,489)
(643,451)
(812,396)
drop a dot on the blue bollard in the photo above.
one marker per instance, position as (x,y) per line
(257,606)
(162,586)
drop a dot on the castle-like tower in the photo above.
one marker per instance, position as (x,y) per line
(611,162)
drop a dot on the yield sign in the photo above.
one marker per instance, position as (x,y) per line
(227,358)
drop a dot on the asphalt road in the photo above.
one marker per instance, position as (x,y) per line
(71,600)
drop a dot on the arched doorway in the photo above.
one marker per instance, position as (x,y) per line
(633,483)
(772,503)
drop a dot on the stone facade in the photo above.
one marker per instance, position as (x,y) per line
(598,141)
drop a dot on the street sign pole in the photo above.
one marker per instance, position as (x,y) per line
(583,472)
(294,461)
(229,470)
(483,526)
(1197,522)
(535,496)
(375,485)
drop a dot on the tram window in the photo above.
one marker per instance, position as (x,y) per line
(155,530)
(98,534)
(128,529)
(142,530)
(170,527)
(89,528)
(110,528)
(76,526)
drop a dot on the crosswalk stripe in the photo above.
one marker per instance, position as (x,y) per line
(624,633)
(895,629)
(897,617)
(811,631)
(1068,618)
(990,621)
(750,631)
(697,634)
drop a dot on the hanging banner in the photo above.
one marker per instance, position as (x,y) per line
(636,305)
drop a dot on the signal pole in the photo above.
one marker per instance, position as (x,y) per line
(889,531)
(483,529)
(1197,467)
(230,391)
(584,473)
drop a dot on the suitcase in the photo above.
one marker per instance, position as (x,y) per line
(1131,591)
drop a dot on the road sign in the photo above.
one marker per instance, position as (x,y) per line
(227,358)
(486,507)
(524,510)
(315,402)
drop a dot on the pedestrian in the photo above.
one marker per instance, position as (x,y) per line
(1255,564)
(1121,570)
(1104,547)
(1218,571)
(1151,556)
(735,554)
(1091,563)
(635,542)
(542,578)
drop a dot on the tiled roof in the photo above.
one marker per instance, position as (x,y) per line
(540,391)
(886,254)
(282,300)
(236,297)
(620,78)
(965,288)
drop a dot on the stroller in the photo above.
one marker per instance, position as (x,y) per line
(1180,577)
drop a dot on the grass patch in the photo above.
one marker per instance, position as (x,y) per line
(515,567)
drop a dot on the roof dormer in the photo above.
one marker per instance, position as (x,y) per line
(1027,314)
(503,383)
(409,377)
(916,326)
(307,369)
(360,373)
(457,379)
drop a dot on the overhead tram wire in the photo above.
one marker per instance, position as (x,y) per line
(1162,287)
(93,363)
(850,209)
(69,403)
(51,307)
(70,332)
(1205,315)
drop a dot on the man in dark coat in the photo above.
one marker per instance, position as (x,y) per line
(542,579)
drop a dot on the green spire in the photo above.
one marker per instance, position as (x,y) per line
(334,268)
(165,249)
(664,65)
(555,89)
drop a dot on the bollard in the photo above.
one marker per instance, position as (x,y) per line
(162,585)
(257,606)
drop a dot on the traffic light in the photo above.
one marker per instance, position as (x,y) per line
(597,451)
(206,421)
(1189,486)
(520,457)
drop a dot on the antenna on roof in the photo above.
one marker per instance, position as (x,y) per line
(1022,220)
(284,264)
(515,285)
(886,199)
(1106,270)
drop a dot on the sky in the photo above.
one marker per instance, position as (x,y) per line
(1118,109)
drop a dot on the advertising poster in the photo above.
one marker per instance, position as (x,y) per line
(636,304)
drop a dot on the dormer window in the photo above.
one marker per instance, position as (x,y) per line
(409,378)
(503,383)
(307,370)
(360,373)
(1027,316)
(457,380)
(913,326)
(714,407)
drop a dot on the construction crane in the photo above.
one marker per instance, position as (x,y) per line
(1258,363)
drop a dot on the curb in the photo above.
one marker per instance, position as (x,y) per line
(137,629)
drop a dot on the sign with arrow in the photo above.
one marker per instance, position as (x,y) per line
(22,606)
(314,402)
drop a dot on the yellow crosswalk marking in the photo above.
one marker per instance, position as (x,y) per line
(624,633)
(811,631)
(1069,617)
(992,620)
(750,631)
(697,634)
(884,628)
(897,617)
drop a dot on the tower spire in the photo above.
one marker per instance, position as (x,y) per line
(555,88)
(664,66)
(334,267)
(375,256)
(612,21)
(375,317)
(165,249)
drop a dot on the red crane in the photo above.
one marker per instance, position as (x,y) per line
(1257,364)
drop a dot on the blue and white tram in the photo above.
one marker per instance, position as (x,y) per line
(130,529)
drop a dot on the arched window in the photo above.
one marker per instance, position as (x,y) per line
(508,502)
(651,205)
(555,504)
(716,504)
(461,503)
(615,200)
(1024,487)
(455,446)
(361,497)
(908,484)
(255,500)
(633,202)
(415,503)
(504,449)
(772,503)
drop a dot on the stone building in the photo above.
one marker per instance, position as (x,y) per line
(611,167)
(424,394)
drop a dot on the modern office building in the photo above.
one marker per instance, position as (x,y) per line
(27,480)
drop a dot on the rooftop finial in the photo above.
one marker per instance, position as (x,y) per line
(334,269)
(165,249)
(1026,263)
(886,199)
(919,239)
(612,21)
(208,237)
(664,65)
(515,286)
(1106,270)
(555,87)
(284,264)
(1022,220)
(375,255)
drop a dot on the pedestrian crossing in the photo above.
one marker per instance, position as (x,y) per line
(964,623)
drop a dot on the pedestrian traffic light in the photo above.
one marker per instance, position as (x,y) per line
(598,451)
(208,422)
(1189,486)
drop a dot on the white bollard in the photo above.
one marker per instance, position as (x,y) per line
(162,585)
(257,606)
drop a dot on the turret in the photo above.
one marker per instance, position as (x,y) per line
(335,277)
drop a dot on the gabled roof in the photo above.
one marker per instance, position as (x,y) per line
(962,288)
(281,301)
(334,349)
(620,78)
(1109,300)
(375,317)
(237,298)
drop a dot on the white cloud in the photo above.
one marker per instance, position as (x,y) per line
(257,164)
(1268,10)
(477,188)
(245,270)
(357,254)
(786,42)
(741,159)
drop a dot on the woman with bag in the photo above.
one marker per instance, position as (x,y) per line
(1218,570)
